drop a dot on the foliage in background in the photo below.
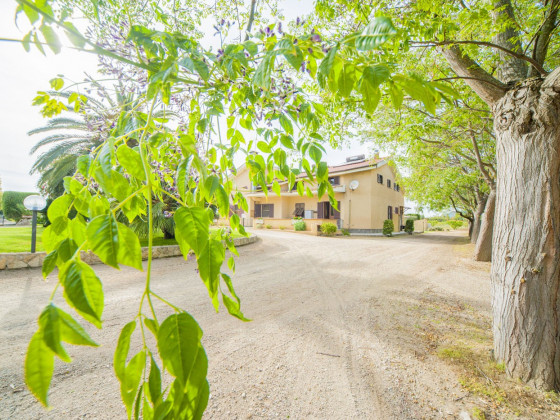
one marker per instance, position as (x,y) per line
(388,227)
(328,228)
(409,226)
(300,226)
(12,205)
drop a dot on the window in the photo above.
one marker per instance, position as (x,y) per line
(379,179)
(390,212)
(398,187)
(388,183)
(334,180)
(264,210)
(268,210)
(396,210)
(300,210)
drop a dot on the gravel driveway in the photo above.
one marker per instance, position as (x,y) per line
(332,335)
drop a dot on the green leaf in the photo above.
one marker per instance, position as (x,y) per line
(202,69)
(103,239)
(50,326)
(39,368)
(326,66)
(129,250)
(376,33)
(51,37)
(263,146)
(322,171)
(57,83)
(222,200)
(49,263)
(315,153)
(179,343)
(121,351)
(261,77)
(182,178)
(73,35)
(66,250)
(233,306)
(276,187)
(286,124)
(72,332)
(132,378)
(154,381)
(191,229)
(346,80)
(59,207)
(131,161)
(210,262)
(287,141)
(83,290)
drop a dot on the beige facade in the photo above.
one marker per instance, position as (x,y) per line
(374,199)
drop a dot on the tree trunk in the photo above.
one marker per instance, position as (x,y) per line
(483,248)
(478,218)
(526,245)
(471,227)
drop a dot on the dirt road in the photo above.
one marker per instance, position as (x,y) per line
(338,331)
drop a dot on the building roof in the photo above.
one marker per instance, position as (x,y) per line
(348,166)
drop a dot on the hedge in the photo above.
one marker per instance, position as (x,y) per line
(12,205)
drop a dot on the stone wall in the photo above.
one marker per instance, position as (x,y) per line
(12,261)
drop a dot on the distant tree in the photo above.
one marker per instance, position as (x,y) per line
(12,205)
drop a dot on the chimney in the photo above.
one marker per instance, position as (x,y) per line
(376,153)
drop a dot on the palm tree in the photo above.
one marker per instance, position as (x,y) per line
(73,135)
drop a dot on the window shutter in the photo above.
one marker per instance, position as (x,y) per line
(336,214)
(380,178)
(388,183)
(320,210)
(258,210)
(271,210)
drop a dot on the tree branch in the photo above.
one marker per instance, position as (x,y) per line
(544,33)
(481,166)
(487,87)
(514,54)
(251,19)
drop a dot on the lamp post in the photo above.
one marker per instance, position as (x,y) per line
(34,203)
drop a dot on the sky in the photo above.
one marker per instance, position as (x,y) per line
(23,73)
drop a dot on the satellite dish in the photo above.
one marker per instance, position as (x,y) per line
(354,184)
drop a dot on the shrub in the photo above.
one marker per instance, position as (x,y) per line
(455,224)
(409,226)
(388,227)
(12,205)
(282,227)
(299,225)
(269,226)
(345,232)
(328,229)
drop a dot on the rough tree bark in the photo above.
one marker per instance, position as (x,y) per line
(483,248)
(526,265)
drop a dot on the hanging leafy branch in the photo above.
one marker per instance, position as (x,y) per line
(249,84)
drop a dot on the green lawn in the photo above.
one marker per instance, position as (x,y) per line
(18,239)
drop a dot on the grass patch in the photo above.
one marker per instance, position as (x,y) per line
(18,239)
(460,336)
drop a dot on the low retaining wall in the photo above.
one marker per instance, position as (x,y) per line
(17,260)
